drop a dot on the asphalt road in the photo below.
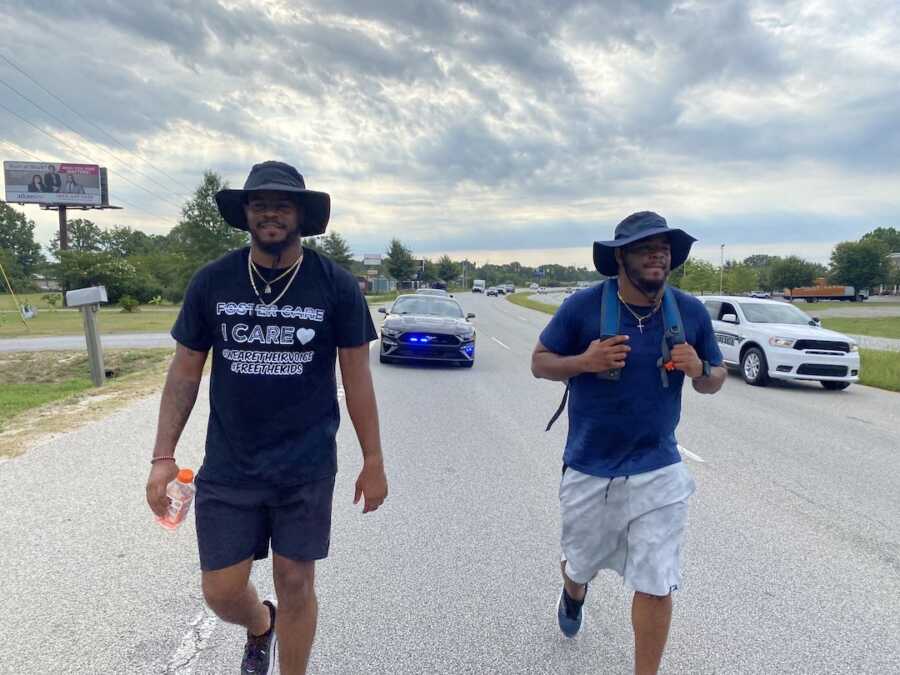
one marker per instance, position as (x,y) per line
(792,559)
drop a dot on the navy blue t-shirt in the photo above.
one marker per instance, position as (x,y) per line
(625,427)
(273,408)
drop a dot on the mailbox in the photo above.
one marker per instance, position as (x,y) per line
(92,295)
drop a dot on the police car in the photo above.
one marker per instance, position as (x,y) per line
(768,339)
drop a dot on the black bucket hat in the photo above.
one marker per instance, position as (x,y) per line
(284,178)
(638,226)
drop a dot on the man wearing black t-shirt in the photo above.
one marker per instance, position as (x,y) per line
(276,317)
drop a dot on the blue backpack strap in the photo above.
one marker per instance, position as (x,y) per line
(672,318)
(609,308)
(609,325)
(672,335)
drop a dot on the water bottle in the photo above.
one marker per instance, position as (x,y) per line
(180,493)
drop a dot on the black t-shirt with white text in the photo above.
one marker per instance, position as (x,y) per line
(273,408)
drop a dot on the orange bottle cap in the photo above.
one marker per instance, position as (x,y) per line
(186,476)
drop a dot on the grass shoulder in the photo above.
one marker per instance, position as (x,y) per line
(50,392)
(524,300)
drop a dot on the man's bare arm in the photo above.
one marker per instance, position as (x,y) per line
(178,398)
(360,397)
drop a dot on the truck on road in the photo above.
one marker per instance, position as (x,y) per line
(821,292)
(478,286)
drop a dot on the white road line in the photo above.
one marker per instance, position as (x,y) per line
(684,451)
(193,642)
(499,343)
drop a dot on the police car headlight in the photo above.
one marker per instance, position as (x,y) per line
(782,342)
(854,347)
(467,337)
(389,332)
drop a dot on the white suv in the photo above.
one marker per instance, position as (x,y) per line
(768,339)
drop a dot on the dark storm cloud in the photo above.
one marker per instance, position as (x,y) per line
(540,101)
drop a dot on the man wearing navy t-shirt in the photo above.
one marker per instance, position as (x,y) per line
(624,490)
(276,316)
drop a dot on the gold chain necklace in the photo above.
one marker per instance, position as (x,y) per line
(640,319)
(269,282)
(253,281)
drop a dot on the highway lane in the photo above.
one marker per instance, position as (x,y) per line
(791,561)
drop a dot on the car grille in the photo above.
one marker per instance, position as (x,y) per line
(822,345)
(427,351)
(822,370)
(430,339)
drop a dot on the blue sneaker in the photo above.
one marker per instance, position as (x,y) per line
(569,614)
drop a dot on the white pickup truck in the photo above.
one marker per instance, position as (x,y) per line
(768,339)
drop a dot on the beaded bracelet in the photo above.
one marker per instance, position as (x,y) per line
(163,458)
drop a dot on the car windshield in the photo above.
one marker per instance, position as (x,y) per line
(433,306)
(758,312)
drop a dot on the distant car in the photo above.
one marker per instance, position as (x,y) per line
(501,290)
(509,288)
(768,339)
(491,291)
(532,287)
(425,327)
(762,295)
(433,291)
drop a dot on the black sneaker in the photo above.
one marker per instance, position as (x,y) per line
(259,652)
(569,613)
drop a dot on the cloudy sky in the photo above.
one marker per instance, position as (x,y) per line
(492,129)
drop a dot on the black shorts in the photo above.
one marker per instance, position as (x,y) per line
(236,523)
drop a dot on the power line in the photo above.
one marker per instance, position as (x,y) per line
(16,148)
(136,153)
(79,134)
(67,145)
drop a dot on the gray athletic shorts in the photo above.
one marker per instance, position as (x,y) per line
(633,525)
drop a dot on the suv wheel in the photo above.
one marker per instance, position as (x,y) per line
(832,385)
(754,368)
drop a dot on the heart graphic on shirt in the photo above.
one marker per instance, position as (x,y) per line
(305,335)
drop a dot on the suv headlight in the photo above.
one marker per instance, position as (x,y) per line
(389,332)
(787,343)
(467,337)
(854,347)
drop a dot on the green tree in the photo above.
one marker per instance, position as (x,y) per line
(202,235)
(696,276)
(17,238)
(126,242)
(791,272)
(79,269)
(759,260)
(84,235)
(337,248)
(429,274)
(861,264)
(399,262)
(890,236)
(740,278)
(20,281)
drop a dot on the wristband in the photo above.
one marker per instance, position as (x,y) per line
(162,459)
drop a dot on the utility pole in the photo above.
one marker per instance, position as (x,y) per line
(722,270)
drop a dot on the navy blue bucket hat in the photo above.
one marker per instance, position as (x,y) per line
(638,226)
(284,178)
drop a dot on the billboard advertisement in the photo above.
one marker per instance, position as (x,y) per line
(52,184)
(371,259)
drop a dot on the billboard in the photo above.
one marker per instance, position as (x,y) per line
(52,184)
(373,259)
